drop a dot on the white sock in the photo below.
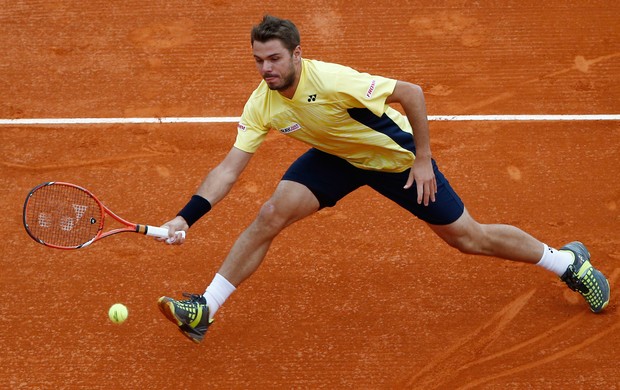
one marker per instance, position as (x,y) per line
(217,293)
(556,261)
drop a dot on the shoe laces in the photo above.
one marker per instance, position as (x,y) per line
(192,304)
(587,284)
(193,298)
(572,280)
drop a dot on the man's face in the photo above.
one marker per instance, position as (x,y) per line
(275,64)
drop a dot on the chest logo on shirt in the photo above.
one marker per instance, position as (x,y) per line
(311,98)
(371,89)
(291,128)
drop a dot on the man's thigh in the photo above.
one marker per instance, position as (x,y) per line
(328,177)
(446,209)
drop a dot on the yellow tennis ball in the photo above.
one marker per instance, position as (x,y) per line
(118,313)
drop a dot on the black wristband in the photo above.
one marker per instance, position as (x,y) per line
(195,209)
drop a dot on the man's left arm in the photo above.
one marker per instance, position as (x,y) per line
(411,98)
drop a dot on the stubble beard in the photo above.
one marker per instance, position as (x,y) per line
(287,81)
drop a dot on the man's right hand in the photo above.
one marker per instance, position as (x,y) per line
(175,227)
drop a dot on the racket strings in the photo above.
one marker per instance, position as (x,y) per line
(63,215)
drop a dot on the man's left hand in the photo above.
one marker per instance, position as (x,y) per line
(423,175)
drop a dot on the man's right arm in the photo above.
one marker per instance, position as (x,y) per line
(215,186)
(221,179)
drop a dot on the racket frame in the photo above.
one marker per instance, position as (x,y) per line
(129,226)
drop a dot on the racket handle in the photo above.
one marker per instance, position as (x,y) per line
(160,232)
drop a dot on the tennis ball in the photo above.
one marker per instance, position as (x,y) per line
(118,313)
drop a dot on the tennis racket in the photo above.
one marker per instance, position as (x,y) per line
(65,216)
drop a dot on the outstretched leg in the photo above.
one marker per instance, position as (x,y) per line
(571,263)
(503,241)
(290,202)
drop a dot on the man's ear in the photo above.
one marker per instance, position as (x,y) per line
(297,53)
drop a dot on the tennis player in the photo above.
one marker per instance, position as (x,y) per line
(356,139)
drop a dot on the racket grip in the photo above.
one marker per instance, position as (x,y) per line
(160,232)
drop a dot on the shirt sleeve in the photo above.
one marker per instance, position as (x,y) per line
(251,132)
(368,91)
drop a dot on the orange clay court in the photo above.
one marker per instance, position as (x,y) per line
(360,296)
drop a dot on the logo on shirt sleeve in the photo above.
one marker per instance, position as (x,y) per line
(241,127)
(371,89)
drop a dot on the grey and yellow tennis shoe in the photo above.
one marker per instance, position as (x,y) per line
(585,279)
(190,315)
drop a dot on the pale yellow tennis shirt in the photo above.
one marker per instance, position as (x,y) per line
(335,109)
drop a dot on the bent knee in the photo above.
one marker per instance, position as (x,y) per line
(272,217)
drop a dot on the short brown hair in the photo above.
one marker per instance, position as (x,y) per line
(272,27)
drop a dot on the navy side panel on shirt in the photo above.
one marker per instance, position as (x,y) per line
(385,125)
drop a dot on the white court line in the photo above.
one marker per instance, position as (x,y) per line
(230,119)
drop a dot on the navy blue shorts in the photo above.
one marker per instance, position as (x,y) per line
(331,178)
